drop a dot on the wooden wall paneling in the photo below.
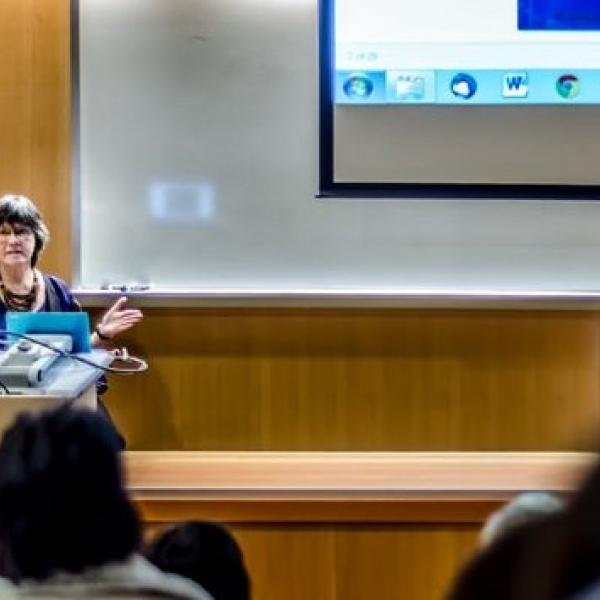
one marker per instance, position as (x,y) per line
(35,147)
(400,562)
(352,562)
(365,475)
(15,95)
(345,526)
(295,562)
(345,379)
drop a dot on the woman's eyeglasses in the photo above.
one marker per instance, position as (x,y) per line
(20,232)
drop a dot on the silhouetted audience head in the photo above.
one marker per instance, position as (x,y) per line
(577,565)
(517,542)
(554,557)
(206,553)
(515,565)
(63,506)
(522,509)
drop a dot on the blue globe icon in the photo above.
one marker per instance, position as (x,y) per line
(358,86)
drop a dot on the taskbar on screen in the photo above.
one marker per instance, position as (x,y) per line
(489,86)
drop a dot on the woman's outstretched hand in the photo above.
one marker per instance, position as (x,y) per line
(118,318)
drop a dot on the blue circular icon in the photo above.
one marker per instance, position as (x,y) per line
(568,85)
(463,86)
(358,86)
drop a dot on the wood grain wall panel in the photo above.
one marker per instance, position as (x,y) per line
(396,562)
(345,526)
(35,112)
(337,562)
(295,562)
(319,477)
(353,563)
(344,379)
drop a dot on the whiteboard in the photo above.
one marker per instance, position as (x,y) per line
(196,168)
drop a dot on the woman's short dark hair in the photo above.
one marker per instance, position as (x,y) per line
(206,553)
(20,209)
(63,505)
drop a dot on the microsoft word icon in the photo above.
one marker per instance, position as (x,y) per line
(515,85)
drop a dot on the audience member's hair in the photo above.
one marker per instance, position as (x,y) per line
(576,565)
(554,557)
(517,543)
(63,506)
(521,509)
(515,566)
(206,553)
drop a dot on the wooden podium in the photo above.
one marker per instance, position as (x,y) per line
(67,381)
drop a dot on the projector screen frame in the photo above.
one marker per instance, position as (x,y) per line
(331,188)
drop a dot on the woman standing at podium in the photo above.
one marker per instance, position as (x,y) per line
(24,288)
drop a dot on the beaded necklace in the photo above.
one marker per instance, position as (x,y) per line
(20,302)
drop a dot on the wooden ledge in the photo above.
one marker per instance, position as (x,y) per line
(318,487)
(245,474)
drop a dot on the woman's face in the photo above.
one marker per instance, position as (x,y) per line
(17,244)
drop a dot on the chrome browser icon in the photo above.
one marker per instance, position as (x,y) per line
(358,86)
(568,86)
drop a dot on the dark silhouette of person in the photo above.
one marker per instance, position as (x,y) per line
(205,552)
(67,526)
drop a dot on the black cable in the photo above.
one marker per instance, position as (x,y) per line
(124,357)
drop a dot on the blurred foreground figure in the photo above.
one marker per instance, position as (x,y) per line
(205,552)
(553,557)
(67,526)
(523,508)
